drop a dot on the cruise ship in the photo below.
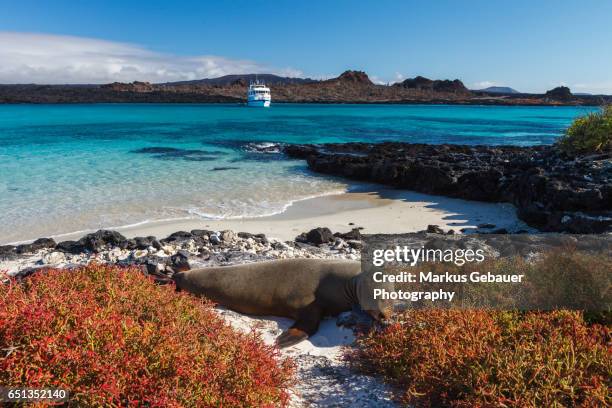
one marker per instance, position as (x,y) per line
(258,95)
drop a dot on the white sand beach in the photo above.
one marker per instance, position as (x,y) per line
(376,210)
(324,378)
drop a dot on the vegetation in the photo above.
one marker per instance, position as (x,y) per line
(114,338)
(589,134)
(477,358)
(481,357)
(556,279)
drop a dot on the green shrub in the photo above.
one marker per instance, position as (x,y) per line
(113,338)
(589,134)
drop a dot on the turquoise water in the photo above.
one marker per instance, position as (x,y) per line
(66,168)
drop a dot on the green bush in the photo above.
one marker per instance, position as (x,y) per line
(589,134)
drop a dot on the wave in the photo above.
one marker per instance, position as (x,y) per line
(264,147)
(282,209)
(193,214)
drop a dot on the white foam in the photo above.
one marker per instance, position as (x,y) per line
(193,213)
(282,208)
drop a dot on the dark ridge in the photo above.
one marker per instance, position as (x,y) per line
(244,79)
(426,84)
(561,93)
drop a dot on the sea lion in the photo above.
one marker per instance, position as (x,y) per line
(301,289)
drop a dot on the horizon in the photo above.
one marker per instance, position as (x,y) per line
(528,47)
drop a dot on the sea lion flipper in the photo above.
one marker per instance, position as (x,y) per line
(291,337)
(305,326)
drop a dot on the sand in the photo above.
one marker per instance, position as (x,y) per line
(376,210)
(324,378)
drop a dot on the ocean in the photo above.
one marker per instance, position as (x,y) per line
(68,168)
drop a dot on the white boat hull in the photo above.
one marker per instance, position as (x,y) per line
(259,103)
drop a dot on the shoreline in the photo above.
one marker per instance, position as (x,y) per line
(474,102)
(374,208)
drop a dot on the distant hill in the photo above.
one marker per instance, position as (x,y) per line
(245,79)
(349,87)
(499,89)
(354,77)
(437,85)
(560,93)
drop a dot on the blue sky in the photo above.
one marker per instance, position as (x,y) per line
(529,45)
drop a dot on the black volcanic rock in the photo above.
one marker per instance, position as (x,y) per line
(72,247)
(7,251)
(426,84)
(179,236)
(354,234)
(146,242)
(316,236)
(561,93)
(39,244)
(102,239)
(551,191)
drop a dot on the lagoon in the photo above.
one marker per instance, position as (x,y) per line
(67,168)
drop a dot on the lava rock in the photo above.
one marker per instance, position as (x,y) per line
(260,238)
(544,184)
(146,242)
(434,229)
(178,237)
(7,251)
(40,243)
(180,261)
(353,234)
(201,233)
(102,239)
(72,247)
(215,239)
(355,244)
(316,236)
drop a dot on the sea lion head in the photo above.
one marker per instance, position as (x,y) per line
(379,309)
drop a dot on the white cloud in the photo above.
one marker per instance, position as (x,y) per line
(483,84)
(57,59)
(377,80)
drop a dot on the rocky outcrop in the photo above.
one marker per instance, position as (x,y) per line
(560,93)
(317,236)
(426,84)
(551,191)
(40,243)
(136,86)
(178,251)
(356,77)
